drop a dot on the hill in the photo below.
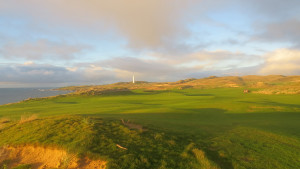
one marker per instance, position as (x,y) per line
(193,123)
(272,84)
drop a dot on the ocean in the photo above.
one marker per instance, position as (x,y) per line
(11,95)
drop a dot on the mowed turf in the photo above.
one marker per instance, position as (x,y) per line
(233,129)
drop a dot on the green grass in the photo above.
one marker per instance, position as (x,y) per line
(23,166)
(229,128)
(252,148)
(3,165)
(99,138)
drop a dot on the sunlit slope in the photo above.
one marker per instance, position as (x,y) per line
(180,128)
(108,140)
(272,84)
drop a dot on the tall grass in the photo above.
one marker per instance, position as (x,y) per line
(27,118)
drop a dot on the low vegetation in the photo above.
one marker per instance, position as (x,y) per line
(108,140)
(273,84)
(210,124)
(26,118)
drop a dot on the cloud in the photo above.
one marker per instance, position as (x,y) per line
(280,31)
(87,73)
(157,25)
(169,68)
(200,64)
(166,40)
(144,69)
(275,9)
(283,62)
(218,55)
(35,73)
(146,24)
(41,49)
(45,75)
(208,60)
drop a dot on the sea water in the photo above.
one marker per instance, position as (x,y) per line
(11,95)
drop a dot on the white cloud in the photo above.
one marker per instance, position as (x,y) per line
(214,59)
(172,32)
(145,24)
(72,69)
(96,68)
(29,63)
(282,61)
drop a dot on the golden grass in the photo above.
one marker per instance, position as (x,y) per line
(46,157)
(4,120)
(201,158)
(25,118)
(267,85)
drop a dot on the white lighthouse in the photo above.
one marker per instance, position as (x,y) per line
(133,78)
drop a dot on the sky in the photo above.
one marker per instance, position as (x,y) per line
(54,43)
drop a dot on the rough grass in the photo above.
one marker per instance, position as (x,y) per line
(45,157)
(100,139)
(27,118)
(224,127)
(203,161)
(23,166)
(252,148)
(200,160)
(272,84)
(4,120)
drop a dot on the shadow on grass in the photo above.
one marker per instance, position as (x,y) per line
(122,92)
(190,94)
(273,104)
(209,122)
(66,102)
(206,124)
(221,161)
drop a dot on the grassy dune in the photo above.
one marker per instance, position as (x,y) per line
(179,127)
(272,84)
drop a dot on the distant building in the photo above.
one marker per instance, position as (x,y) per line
(132,78)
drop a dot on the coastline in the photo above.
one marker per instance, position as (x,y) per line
(36,94)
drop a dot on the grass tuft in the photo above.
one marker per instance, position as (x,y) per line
(25,118)
(23,166)
(202,159)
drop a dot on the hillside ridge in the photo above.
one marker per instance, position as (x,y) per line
(271,84)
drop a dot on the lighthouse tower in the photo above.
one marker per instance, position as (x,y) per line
(132,78)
